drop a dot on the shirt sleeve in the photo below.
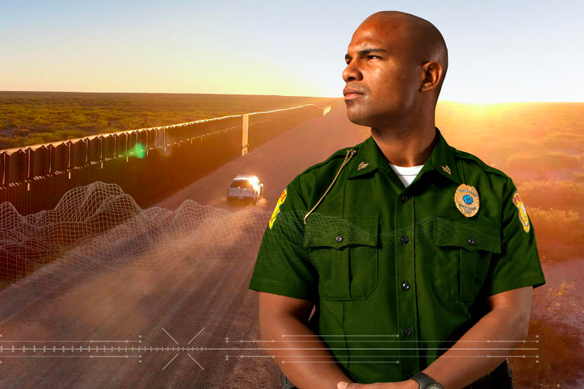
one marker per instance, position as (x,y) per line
(518,265)
(282,265)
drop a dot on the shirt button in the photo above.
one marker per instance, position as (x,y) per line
(406,286)
(409,375)
(470,241)
(408,331)
(404,239)
(404,198)
(339,238)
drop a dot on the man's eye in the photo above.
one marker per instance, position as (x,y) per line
(373,56)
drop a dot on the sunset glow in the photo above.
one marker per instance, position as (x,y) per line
(282,48)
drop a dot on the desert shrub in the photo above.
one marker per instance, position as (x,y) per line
(578,176)
(559,233)
(564,141)
(561,194)
(550,160)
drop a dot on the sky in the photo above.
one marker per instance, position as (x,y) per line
(499,51)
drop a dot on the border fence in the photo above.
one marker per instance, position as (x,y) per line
(148,164)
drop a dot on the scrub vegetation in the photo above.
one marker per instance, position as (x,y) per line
(28,118)
(541,147)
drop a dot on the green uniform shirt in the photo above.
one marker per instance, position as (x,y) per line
(397,274)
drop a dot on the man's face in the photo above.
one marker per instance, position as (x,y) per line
(379,67)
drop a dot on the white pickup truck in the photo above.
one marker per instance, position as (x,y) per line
(245,188)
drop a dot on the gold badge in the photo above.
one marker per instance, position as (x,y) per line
(466,199)
(277,209)
(362,165)
(522,212)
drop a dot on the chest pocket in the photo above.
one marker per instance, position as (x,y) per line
(462,254)
(344,252)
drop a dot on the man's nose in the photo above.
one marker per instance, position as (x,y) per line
(351,72)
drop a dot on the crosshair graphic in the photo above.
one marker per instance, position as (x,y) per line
(94,349)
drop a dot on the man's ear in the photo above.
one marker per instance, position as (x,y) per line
(431,75)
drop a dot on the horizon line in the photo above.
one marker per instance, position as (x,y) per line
(267,95)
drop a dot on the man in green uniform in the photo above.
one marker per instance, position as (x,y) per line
(415,283)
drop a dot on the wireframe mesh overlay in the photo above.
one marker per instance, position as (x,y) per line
(98,227)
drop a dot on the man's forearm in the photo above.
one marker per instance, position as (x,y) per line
(500,328)
(297,355)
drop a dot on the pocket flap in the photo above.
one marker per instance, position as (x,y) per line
(337,232)
(469,235)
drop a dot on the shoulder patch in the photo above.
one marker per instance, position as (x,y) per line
(277,209)
(522,212)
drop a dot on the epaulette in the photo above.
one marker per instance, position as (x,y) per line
(480,162)
(339,154)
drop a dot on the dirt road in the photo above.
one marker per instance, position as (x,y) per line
(163,301)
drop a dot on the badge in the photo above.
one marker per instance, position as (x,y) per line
(277,209)
(522,212)
(466,199)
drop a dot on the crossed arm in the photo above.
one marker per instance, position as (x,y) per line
(508,320)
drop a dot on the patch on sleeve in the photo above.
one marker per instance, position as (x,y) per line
(277,209)
(522,212)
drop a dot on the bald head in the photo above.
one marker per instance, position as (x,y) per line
(422,42)
(396,64)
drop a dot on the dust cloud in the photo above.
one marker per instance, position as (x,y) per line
(185,271)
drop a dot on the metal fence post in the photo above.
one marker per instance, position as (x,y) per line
(245,134)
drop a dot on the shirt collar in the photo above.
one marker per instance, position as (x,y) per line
(370,158)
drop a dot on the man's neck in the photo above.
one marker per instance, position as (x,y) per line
(406,148)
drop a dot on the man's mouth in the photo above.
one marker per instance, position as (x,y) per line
(351,93)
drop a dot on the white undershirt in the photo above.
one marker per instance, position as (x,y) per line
(406,174)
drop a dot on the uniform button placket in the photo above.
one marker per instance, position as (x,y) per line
(405,262)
